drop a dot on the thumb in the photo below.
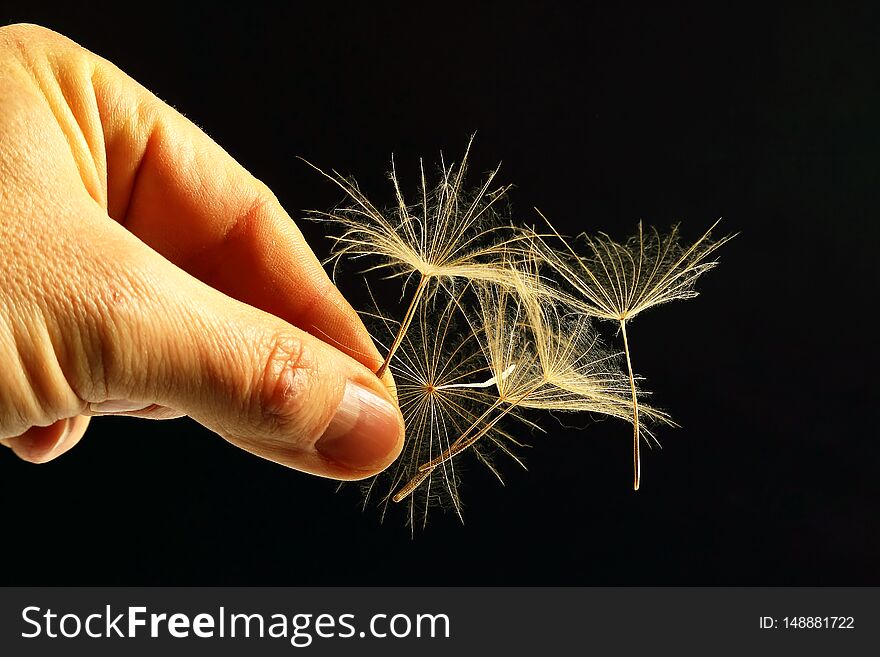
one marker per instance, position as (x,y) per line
(265,385)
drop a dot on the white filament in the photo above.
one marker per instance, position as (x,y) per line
(482,384)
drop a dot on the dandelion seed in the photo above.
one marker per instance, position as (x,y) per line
(450,233)
(436,366)
(502,337)
(540,358)
(617,281)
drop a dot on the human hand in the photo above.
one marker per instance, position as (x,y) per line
(143,271)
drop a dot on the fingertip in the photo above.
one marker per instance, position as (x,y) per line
(37,443)
(43,444)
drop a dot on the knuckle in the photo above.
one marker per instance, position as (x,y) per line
(33,389)
(284,388)
(30,39)
(24,30)
(256,210)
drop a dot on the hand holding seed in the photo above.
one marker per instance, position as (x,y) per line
(144,272)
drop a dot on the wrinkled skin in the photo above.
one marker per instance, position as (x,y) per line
(143,271)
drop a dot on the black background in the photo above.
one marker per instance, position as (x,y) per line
(601,116)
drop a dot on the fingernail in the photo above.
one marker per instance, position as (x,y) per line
(116,406)
(65,434)
(32,445)
(363,431)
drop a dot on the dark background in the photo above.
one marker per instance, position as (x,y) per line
(601,117)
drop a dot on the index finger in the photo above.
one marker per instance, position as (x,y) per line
(187,198)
